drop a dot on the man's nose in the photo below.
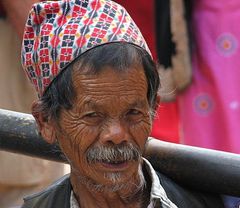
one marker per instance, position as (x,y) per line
(114,132)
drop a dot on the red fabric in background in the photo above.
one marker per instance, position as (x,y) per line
(165,125)
(142,13)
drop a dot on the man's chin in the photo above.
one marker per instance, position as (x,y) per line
(101,178)
(110,181)
(116,182)
(114,177)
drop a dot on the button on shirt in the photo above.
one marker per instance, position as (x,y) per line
(158,197)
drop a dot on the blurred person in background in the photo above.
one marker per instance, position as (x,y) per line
(209,106)
(19,175)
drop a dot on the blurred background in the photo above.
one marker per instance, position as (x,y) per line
(197,46)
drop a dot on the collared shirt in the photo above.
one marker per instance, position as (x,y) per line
(158,196)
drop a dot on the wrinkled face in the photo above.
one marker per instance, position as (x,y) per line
(104,132)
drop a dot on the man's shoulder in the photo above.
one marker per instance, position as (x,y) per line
(185,197)
(57,194)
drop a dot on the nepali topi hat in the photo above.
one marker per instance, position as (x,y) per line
(58,32)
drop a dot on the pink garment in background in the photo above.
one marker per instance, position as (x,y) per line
(210,108)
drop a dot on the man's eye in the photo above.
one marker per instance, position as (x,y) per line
(92,117)
(134,112)
(134,115)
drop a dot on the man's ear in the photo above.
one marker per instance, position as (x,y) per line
(45,126)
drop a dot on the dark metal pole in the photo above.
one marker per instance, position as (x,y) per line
(18,134)
(198,168)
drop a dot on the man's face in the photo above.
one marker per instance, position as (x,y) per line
(109,122)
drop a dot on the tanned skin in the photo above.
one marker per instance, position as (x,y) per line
(111,108)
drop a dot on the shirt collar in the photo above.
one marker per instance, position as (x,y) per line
(73,201)
(158,195)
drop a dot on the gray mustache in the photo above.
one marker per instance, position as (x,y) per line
(116,153)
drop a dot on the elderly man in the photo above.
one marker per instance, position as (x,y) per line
(97,87)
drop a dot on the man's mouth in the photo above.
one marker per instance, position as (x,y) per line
(115,164)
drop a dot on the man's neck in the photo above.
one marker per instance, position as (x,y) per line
(134,194)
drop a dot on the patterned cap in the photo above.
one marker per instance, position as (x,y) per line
(57,32)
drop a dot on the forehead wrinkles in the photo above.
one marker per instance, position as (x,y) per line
(112,88)
(132,82)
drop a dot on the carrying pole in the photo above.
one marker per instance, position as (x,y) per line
(198,168)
